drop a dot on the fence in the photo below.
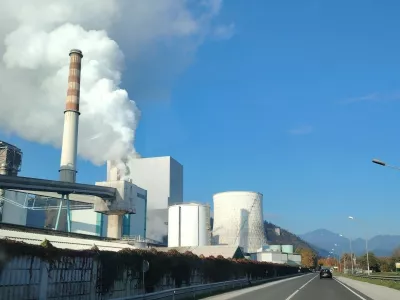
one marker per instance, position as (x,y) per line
(29,278)
(378,277)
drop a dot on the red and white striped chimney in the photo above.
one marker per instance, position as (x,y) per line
(71,119)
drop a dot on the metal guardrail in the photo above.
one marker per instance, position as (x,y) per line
(204,289)
(394,278)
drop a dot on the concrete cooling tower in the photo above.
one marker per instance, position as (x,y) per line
(238,220)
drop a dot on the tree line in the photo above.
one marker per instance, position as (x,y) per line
(376,264)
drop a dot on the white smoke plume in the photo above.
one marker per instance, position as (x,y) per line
(36,36)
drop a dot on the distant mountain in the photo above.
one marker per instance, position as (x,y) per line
(381,245)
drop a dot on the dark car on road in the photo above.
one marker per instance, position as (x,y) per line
(325,273)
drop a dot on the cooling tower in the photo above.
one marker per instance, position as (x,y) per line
(188,225)
(238,220)
(71,119)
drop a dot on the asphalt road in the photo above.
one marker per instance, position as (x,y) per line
(301,288)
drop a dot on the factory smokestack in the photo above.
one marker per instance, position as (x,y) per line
(71,119)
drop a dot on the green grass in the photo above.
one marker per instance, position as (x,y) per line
(387,283)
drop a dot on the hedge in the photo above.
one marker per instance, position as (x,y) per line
(180,266)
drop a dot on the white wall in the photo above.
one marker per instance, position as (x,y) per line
(162,177)
(188,225)
(278,258)
(238,220)
(294,258)
(13,214)
(85,221)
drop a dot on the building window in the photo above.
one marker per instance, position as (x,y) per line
(99,224)
(126,225)
(142,196)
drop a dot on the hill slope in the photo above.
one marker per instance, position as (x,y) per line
(277,235)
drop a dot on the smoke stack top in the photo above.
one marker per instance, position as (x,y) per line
(74,81)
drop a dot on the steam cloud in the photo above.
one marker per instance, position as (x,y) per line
(37,35)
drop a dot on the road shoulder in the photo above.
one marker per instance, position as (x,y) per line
(373,291)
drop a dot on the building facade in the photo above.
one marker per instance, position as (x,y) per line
(92,223)
(162,178)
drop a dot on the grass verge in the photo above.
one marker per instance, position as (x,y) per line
(387,283)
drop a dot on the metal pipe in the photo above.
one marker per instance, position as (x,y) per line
(68,216)
(351,257)
(43,185)
(59,212)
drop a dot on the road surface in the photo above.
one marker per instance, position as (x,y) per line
(299,288)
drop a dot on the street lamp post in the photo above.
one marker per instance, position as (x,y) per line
(351,255)
(366,246)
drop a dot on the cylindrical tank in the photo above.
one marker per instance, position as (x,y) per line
(287,249)
(275,248)
(238,220)
(188,225)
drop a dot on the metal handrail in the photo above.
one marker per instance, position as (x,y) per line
(395,278)
(192,291)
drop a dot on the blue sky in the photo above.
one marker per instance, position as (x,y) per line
(295,105)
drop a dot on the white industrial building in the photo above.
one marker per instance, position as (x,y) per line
(238,220)
(162,178)
(93,223)
(278,254)
(189,225)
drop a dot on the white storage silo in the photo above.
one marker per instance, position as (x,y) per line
(287,249)
(238,220)
(188,225)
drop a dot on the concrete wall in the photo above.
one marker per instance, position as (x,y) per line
(13,214)
(162,177)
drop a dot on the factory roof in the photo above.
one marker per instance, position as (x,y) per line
(226,251)
(62,241)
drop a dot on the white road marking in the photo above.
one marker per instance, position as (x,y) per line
(359,296)
(296,291)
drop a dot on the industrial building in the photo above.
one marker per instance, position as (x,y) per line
(278,254)
(141,210)
(93,223)
(10,164)
(238,220)
(189,225)
(162,178)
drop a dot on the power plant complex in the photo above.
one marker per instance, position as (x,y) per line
(143,209)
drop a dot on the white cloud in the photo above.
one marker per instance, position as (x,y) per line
(157,39)
(373,97)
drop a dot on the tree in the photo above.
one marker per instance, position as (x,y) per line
(396,253)
(345,261)
(308,257)
(328,262)
(374,262)
(386,264)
